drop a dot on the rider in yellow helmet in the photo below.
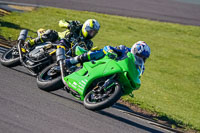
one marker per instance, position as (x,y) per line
(75,31)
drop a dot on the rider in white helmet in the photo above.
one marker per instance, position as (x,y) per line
(140,50)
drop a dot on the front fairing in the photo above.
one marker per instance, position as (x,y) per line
(81,79)
(126,70)
(130,78)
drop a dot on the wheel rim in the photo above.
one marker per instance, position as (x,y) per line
(12,54)
(99,95)
(51,73)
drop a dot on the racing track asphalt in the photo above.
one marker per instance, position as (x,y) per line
(26,109)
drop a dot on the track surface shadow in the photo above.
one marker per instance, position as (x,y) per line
(129,122)
(113,116)
(64,97)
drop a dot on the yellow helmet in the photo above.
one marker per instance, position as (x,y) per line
(90,28)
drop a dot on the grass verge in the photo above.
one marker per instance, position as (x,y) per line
(171,82)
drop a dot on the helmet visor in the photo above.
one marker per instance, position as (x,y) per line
(92,33)
(138,60)
(142,57)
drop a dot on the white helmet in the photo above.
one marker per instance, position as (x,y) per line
(141,49)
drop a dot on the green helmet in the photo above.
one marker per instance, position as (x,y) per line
(90,28)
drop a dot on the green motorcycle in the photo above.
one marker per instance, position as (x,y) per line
(99,84)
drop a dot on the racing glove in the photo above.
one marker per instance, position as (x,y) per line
(112,54)
(108,51)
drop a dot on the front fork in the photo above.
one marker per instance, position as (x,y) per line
(107,85)
(21,39)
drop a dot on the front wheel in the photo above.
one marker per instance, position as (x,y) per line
(99,98)
(10,58)
(50,78)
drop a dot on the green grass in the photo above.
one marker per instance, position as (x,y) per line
(171,82)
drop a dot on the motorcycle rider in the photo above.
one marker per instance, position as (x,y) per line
(75,31)
(140,50)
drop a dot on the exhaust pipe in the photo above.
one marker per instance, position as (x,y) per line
(60,57)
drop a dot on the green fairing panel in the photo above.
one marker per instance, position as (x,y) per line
(133,72)
(81,79)
(79,50)
(128,74)
(129,77)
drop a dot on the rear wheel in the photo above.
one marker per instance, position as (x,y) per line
(10,58)
(50,79)
(99,98)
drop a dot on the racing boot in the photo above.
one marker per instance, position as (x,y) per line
(94,55)
(75,60)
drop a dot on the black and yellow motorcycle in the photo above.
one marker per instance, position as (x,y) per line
(35,58)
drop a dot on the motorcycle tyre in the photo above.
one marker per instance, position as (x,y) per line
(9,62)
(104,104)
(49,85)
